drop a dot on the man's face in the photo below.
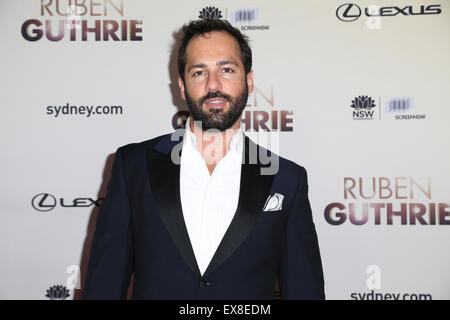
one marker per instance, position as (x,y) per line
(215,87)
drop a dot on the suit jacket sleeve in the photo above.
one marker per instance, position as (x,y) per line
(301,275)
(110,265)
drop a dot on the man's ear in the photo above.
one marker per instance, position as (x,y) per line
(250,83)
(182,89)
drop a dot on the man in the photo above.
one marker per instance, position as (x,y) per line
(210,225)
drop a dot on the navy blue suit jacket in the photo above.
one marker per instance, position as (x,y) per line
(140,229)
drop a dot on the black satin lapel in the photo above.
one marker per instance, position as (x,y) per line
(254,190)
(165,184)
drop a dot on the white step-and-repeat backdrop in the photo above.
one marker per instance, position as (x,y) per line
(356,92)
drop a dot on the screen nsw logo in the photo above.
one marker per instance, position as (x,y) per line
(247,20)
(402,109)
(399,105)
(387,201)
(68,20)
(45,202)
(244,15)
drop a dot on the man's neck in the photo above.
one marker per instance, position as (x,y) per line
(212,144)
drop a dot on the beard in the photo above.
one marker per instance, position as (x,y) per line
(217,118)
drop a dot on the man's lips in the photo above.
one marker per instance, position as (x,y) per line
(216,103)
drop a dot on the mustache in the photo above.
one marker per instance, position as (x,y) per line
(213,95)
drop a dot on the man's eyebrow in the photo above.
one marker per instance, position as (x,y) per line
(199,65)
(225,62)
(219,63)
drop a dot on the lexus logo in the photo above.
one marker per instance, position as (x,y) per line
(348,12)
(43,202)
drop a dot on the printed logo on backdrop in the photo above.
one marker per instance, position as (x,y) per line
(349,12)
(58,292)
(399,105)
(387,201)
(260,114)
(210,13)
(68,20)
(362,108)
(246,16)
(401,108)
(87,111)
(44,202)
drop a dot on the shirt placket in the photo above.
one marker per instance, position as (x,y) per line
(205,208)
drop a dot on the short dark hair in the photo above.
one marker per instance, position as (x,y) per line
(200,27)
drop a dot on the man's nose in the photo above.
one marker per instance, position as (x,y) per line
(213,82)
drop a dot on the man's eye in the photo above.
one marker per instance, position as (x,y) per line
(197,73)
(228,70)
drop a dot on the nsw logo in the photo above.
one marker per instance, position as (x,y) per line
(362,108)
(58,292)
(210,13)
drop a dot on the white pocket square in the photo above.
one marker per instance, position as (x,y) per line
(274,202)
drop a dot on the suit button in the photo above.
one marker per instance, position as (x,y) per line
(204,283)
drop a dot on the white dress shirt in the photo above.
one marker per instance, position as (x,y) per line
(209,202)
